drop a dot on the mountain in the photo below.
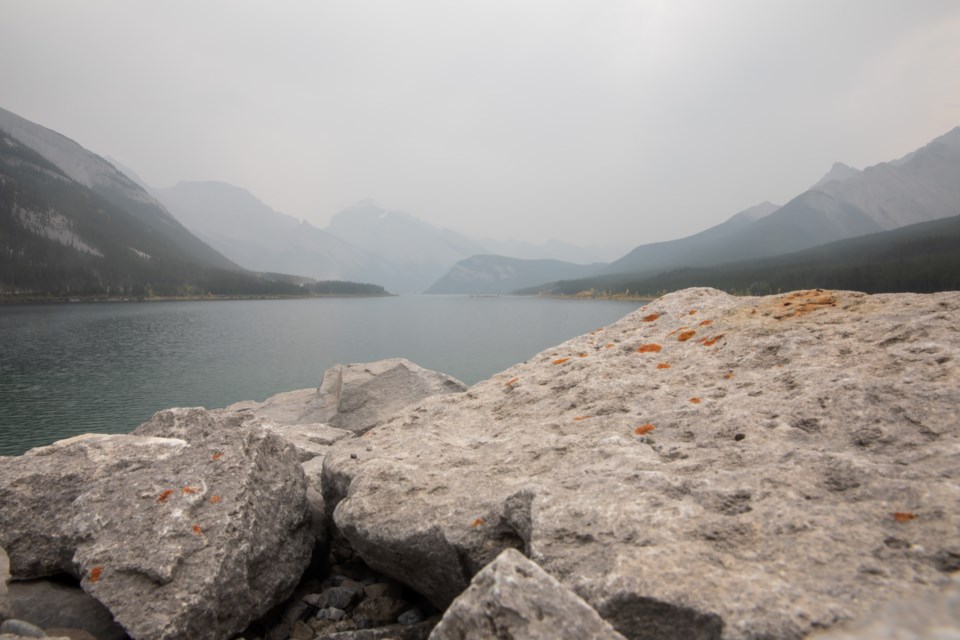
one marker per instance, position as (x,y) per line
(921,258)
(418,252)
(100,177)
(554,250)
(73,225)
(838,171)
(486,274)
(696,249)
(236,223)
(924,185)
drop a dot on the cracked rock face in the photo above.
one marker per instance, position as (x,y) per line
(191,527)
(707,467)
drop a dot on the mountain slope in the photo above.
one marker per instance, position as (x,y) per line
(418,252)
(695,249)
(924,185)
(922,257)
(236,223)
(485,274)
(96,174)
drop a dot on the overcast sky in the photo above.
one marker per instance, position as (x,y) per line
(591,121)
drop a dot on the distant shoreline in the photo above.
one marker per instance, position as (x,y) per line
(16,300)
(599,296)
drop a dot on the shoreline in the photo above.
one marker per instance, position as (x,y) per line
(39,300)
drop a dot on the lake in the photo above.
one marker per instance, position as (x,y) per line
(107,367)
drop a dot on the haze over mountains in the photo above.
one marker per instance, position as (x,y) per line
(70,212)
(72,224)
(362,243)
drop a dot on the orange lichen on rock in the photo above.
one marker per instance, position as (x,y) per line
(686,335)
(712,341)
(644,429)
(189,489)
(695,400)
(560,360)
(215,499)
(651,317)
(583,355)
(217,456)
(197,530)
(728,375)
(95,574)
(579,418)
(166,493)
(510,382)
(692,312)
(799,303)
(904,516)
(663,365)
(649,348)
(476,523)
(706,323)
(609,345)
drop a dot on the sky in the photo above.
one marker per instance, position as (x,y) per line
(613,122)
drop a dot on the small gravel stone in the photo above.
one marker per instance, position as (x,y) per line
(411,616)
(331,613)
(22,628)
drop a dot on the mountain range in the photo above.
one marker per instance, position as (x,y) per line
(77,222)
(71,224)
(924,185)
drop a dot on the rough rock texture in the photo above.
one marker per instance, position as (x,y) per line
(355,396)
(192,527)
(707,467)
(935,617)
(514,598)
(5,609)
(53,604)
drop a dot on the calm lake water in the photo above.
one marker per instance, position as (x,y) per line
(71,369)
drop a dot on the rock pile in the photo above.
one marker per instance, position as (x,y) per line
(707,467)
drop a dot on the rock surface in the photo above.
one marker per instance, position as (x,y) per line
(356,396)
(5,609)
(191,527)
(707,467)
(935,617)
(514,598)
(52,604)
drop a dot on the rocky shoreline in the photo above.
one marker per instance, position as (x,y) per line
(707,467)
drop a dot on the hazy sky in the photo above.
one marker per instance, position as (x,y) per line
(597,121)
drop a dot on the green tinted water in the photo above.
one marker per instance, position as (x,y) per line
(71,369)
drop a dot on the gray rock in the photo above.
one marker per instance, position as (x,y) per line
(514,598)
(5,610)
(192,527)
(22,628)
(358,396)
(411,616)
(779,465)
(39,489)
(932,617)
(383,590)
(353,397)
(331,613)
(54,604)
(379,611)
(390,632)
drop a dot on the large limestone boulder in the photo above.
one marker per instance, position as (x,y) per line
(355,396)
(192,527)
(514,598)
(709,466)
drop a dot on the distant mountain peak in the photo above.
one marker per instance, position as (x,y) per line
(838,172)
